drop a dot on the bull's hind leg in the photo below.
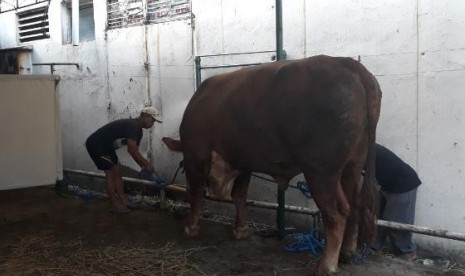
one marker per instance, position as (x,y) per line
(351,184)
(197,182)
(330,199)
(239,196)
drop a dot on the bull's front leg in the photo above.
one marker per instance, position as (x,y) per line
(239,196)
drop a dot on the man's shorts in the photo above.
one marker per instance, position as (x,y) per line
(104,159)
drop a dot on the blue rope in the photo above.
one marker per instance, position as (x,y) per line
(305,242)
(301,185)
(304,188)
(157,180)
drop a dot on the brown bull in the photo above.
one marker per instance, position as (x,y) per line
(315,116)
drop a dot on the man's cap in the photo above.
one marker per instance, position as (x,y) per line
(152,111)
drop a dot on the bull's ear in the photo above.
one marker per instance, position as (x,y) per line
(172,144)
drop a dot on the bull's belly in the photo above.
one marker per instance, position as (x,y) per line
(221,176)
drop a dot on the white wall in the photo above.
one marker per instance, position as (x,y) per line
(7,35)
(441,126)
(414,47)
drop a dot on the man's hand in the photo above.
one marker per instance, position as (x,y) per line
(154,177)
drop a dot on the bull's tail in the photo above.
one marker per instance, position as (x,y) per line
(369,196)
(172,144)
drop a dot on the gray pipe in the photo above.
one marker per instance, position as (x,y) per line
(180,189)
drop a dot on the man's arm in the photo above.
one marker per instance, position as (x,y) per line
(133,150)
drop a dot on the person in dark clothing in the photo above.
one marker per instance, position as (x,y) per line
(101,146)
(399,183)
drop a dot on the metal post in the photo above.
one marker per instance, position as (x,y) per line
(75,22)
(279,56)
(279,30)
(198,76)
(281,213)
(163,203)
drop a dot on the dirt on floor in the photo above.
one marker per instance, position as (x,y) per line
(45,233)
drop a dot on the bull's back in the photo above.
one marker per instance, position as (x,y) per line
(219,113)
(229,87)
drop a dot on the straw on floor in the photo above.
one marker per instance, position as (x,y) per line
(42,254)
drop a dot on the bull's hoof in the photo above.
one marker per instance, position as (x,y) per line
(191,231)
(325,272)
(241,233)
(353,259)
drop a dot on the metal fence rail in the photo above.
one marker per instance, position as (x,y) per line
(293,209)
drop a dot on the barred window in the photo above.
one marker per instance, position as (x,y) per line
(125,13)
(167,10)
(33,24)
